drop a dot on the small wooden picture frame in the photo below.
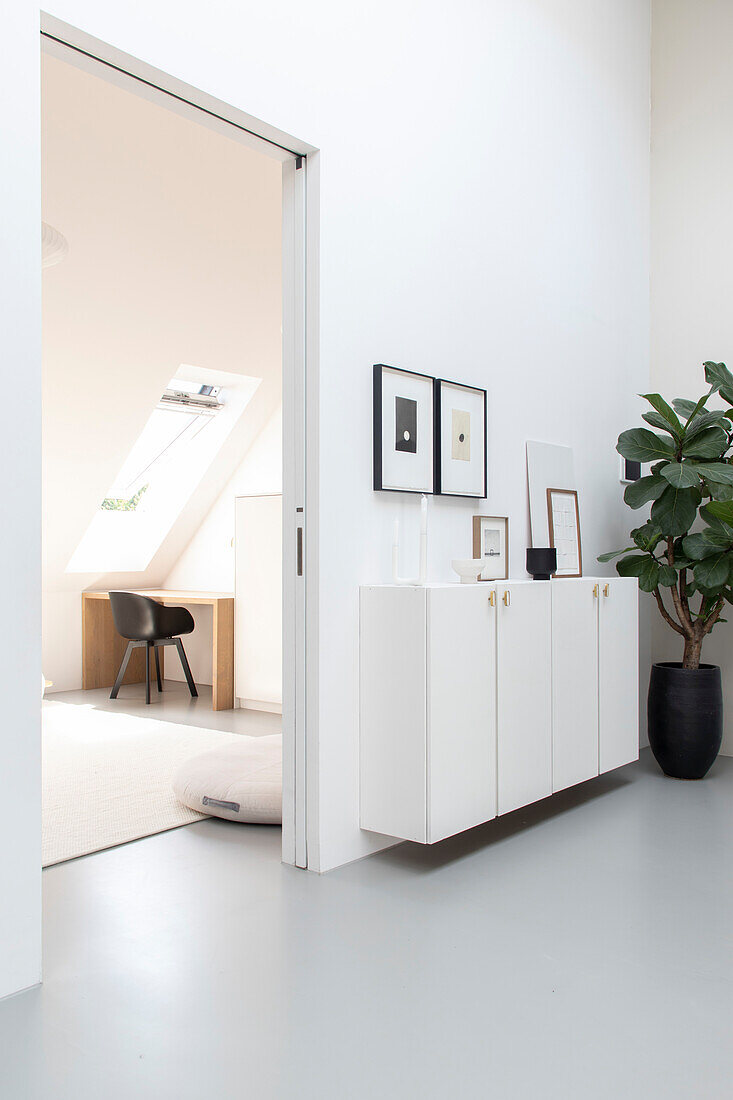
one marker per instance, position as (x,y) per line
(563,522)
(491,543)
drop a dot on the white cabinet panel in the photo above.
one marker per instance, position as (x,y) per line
(393,679)
(574,682)
(258,601)
(461,709)
(524,693)
(618,673)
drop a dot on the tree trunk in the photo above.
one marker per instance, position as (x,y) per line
(691,657)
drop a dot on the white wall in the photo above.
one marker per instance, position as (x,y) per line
(208,560)
(20,545)
(484,216)
(692,230)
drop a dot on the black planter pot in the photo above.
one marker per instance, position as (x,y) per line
(541,562)
(685,711)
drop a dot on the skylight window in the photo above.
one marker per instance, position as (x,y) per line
(166,463)
(185,410)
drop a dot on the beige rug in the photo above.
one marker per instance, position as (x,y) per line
(107,777)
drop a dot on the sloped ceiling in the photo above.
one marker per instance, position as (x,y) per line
(174,257)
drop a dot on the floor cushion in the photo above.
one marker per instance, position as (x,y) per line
(241,781)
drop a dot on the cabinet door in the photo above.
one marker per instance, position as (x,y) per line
(574,682)
(618,665)
(393,690)
(461,709)
(524,693)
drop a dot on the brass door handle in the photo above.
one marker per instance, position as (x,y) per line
(507,598)
(596,590)
(492,598)
(606,590)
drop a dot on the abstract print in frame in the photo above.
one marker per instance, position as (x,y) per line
(460,439)
(403,430)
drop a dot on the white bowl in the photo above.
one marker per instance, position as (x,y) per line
(468,569)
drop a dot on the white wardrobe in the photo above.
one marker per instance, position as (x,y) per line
(258,602)
(478,699)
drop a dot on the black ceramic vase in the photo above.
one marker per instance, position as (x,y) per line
(541,562)
(685,711)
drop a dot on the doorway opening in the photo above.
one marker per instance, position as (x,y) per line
(175,466)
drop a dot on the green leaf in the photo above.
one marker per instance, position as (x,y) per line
(720,510)
(667,576)
(704,420)
(717,374)
(641,445)
(658,421)
(632,566)
(718,491)
(715,521)
(649,578)
(642,491)
(719,377)
(690,589)
(675,511)
(642,566)
(684,407)
(705,544)
(709,443)
(613,554)
(667,413)
(728,594)
(683,475)
(646,537)
(719,472)
(713,572)
(698,408)
(697,548)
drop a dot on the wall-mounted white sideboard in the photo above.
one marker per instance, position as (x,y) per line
(478,699)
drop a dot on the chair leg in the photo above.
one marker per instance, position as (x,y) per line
(147,671)
(157,667)
(122,671)
(186,669)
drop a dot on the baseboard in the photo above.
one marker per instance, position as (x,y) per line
(19,992)
(260,704)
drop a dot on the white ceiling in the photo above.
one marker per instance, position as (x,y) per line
(174,257)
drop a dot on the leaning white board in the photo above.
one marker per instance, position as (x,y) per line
(549,466)
(258,602)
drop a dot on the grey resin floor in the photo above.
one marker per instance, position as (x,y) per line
(174,704)
(577,949)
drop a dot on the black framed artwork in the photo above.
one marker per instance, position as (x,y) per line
(404,428)
(460,439)
(630,471)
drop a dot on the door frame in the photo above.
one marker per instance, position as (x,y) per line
(300,192)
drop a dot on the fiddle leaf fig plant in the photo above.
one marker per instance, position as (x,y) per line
(683,553)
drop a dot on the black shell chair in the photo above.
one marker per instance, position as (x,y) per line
(145,622)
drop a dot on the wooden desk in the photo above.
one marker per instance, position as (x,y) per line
(102,648)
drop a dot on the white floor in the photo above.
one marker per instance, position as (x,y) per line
(579,949)
(108,765)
